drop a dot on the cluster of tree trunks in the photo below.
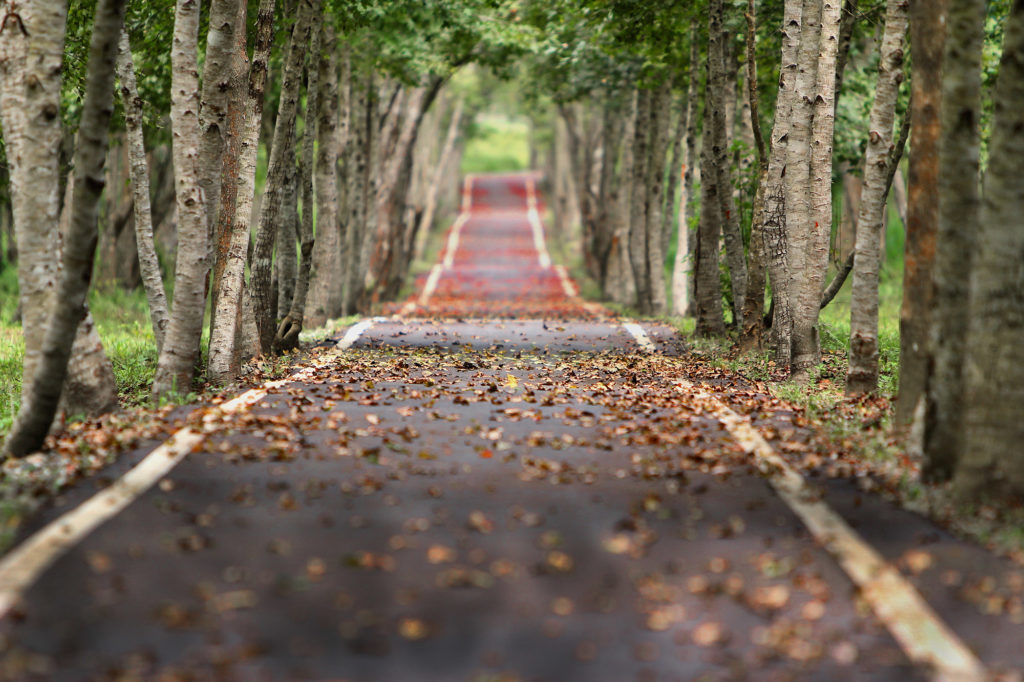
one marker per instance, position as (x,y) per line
(350,194)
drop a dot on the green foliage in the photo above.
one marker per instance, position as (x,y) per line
(496,144)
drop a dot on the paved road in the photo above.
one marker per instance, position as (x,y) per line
(501,484)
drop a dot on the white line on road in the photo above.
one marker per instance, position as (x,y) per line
(539,243)
(922,634)
(453,241)
(24,564)
(355,331)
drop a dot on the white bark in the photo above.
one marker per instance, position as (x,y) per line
(176,365)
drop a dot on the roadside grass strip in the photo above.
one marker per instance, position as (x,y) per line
(26,562)
(920,632)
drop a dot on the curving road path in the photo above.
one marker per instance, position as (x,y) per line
(499,482)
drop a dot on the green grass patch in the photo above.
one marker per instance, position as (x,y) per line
(497,144)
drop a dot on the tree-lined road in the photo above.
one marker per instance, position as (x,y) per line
(504,482)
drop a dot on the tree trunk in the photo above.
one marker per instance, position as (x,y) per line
(959,212)
(286,256)
(325,289)
(862,376)
(281,160)
(806,344)
(775,229)
(605,245)
(230,312)
(39,402)
(710,320)
(753,301)
(721,94)
(177,361)
(291,326)
(992,465)
(214,99)
(638,205)
(927,38)
(661,109)
(675,169)
(434,188)
(152,279)
(363,127)
(683,266)
(32,138)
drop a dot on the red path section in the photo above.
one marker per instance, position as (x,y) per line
(494,261)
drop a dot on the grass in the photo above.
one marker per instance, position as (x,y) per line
(497,144)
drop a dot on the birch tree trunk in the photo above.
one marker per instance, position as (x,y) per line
(799,203)
(228,319)
(325,288)
(959,211)
(927,38)
(661,109)
(214,98)
(638,205)
(992,465)
(152,279)
(675,168)
(291,326)
(682,266)
(281,159)
(806,344)
(434,188)
(721,90)
(32,135)
(753,302)
(286,255)
(364,121)
(40,401)
(862,376)
(710,320)
(178,357)
(774,227)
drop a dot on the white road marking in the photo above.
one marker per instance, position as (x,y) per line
(431,285)
(539,243)
(23,565)
(453,241)
(924,637)
(467,194)
(567,286)
(640,335)
(355,331)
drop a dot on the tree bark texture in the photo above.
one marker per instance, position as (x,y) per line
(660,119)
(152,279)
(325,288)
(433,191)
(291,326)
(959,213)
(753,301)
(710,319)
(229,315)
(992,464)
(927,39)
(32,136)
(720,93)
(775,222)
(40,401)
(862,376)
(363,128)
(286,256)
(178,358)
(282,159)
(675,168)
(683,264)
(638,204)
(214,98)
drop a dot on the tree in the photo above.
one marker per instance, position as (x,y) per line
(959,209)
(927,38)
(991,464)
(40,400)
(862,376)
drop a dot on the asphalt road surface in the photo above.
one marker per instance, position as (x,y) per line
(502,482)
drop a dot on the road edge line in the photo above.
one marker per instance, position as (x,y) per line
(533,215)
(917,628)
